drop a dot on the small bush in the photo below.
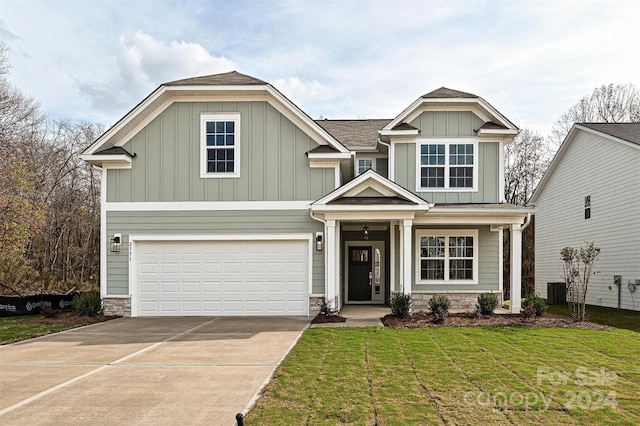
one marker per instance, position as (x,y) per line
(88,304)
(487,303)
(439,306)
(400,304)
(529,313)
(537,302)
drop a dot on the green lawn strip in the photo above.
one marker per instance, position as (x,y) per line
(619,318)
(14,329)
(453,404)
(590,395)
(399,397)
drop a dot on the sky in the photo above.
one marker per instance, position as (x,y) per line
(94,60)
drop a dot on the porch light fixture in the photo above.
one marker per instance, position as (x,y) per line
(115,243)
(365,232)
(319,241)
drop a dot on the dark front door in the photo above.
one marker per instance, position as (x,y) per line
(359,274)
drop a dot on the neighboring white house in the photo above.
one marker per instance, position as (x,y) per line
(591,192)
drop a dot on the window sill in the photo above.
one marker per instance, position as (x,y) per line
(219,175)
(446,189)
(450,282)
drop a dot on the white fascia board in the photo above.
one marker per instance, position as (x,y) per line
(222,237)
(362,180)
(403,114)
(359,208)
(607,136)
(206,206)
(164,96)
(482,211)
(119,161)
(383,216)
(430,219)
(329,156)
(302,117)
(499,132)
(399,133)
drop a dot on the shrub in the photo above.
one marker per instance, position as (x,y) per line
(537,302)
(529,313)
(325,309)
(400,304)
(439,305)
(487,303)
(88,304)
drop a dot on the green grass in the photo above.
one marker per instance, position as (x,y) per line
(14,329)
(619,318)
(367,376)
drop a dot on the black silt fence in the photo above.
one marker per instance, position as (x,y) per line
(30,305)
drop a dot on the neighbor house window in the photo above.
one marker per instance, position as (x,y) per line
(364,164)
(587,207)
(447,165)
(220,145)
(447,256)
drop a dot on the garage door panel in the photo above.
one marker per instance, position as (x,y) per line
(222,278)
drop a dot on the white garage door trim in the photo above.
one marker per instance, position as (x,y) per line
(133,261)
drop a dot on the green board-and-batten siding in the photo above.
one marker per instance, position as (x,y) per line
(488,158)
(447,124)
(202,223)
(273,164)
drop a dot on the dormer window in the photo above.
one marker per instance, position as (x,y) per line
(447,165)
(219,145)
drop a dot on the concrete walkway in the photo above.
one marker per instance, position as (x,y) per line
(142,371)
(359,316)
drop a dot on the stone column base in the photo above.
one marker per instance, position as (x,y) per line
(117,305)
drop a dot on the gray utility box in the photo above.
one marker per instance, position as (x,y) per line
(556,293)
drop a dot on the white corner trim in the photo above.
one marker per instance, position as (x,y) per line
(205,205)
(103,233)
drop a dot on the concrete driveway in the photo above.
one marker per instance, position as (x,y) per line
(134,371)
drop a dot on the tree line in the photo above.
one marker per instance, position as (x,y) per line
(49,198)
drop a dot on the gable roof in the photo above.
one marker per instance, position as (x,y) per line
(227,84)
(391,193)
(453,100)
(355,134)
(233,78)
(445,92)
(629,132)
(625,133)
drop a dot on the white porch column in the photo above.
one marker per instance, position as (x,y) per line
(406,255)
(516,268)
(330,265)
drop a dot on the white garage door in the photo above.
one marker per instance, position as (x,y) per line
(222,278)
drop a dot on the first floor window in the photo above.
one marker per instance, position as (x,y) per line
(447,256)
(220,140)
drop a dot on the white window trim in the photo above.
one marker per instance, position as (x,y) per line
(447,142)
(447,233)
(357,163)
(204,118)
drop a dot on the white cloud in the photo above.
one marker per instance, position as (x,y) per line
(143,63)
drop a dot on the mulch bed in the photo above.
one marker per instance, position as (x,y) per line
(72,319)
(323,319)
(422,319)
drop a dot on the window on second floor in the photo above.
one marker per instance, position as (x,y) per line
(220,145)
(364,164)
(447,165)
(587,207)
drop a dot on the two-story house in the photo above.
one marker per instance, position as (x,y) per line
(222,197)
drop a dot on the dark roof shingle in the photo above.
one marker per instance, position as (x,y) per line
(444,92)
(355,134)
(629,132)
(233,78)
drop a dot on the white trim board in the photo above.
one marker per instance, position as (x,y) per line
(205,205)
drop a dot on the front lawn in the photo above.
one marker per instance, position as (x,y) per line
(487,376)
(14,329)
(619,318)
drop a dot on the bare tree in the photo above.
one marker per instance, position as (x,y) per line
(526,160)
(607,104)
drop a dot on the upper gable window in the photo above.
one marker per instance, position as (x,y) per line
(219,145)
(447,165)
